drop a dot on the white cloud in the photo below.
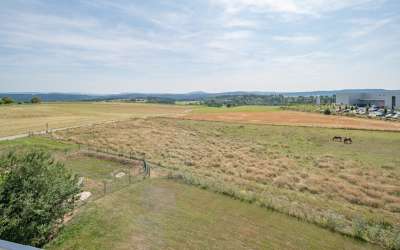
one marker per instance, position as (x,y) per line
(297,39)
(367,26)
(304,7)
(240,23)
(81,39)
(191,41)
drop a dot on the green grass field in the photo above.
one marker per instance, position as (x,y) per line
(30,143)
(163,214)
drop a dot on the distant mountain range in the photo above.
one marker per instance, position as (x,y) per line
(50,97)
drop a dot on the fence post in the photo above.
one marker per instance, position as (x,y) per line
(129,176)
(104,187)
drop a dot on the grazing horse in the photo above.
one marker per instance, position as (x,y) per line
(337,138)
(347,140)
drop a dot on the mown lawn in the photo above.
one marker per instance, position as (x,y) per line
(36,142)
(97,169)
(164,214)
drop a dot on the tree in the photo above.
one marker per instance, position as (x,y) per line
(327,111)
(36,99)
(7,100)
(35,194)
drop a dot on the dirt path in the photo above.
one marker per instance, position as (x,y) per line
(43,132)
(298,119)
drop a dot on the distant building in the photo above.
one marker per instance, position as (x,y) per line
(318,100)
(383,98)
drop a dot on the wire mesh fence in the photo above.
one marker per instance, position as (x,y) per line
(131,171)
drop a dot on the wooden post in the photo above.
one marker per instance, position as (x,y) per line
(104,187)
(47,128)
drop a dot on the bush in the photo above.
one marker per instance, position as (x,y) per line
(35,194)
(36,99)
(7,100)
(359,228)
(396,242)
(327,111)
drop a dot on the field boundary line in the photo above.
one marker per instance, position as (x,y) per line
(284,125)
(44,132)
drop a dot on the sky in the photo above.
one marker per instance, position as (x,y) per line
(176,46)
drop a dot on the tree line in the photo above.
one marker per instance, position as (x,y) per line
(8,100)
(270,100)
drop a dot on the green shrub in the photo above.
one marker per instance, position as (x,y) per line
(396,242)
(327,111)
(35,100)
(332,222)
(7,100)
(359,228)
(35,194)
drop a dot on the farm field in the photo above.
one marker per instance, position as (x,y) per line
(161,213)
(295,170)
(21,119)
(273,115)
(33,118)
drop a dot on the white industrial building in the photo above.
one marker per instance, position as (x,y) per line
(382,98)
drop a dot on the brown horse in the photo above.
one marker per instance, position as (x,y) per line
(347,140)
(337,138)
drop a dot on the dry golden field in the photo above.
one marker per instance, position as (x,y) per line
(296,118)
(298,170)
(21,119)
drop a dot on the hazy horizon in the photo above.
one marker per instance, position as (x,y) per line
(110,47)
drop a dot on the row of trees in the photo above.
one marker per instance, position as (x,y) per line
(9,100)
(238,100)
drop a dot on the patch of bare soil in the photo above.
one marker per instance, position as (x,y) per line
(297,119)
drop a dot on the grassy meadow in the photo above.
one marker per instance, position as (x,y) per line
(295,170)
(163,214)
